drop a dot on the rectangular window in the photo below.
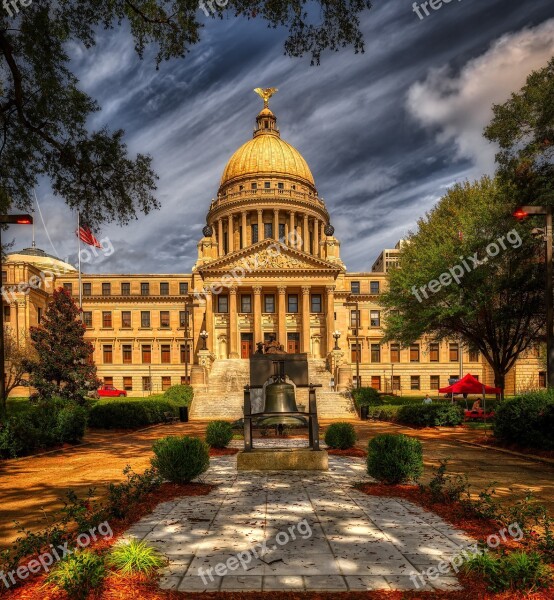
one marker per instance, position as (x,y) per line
(125,289)
(106,289)
(376,382)
(414,353)
(395,353)
(87,289)
(268,230)
(375,353)
(223,304)
(355,352)
(4,276)
(87,318)
(108,354)
(146,354)
(254,186)
(68,287)
(434,352)
(126,319)
(280,186)
(164,318)
(7,314)
(183,318)
(128,384)
(108,381)
(164,288)
(375,318)
(166,383)
(246,303)
(39,315)
(166,354)
(474,356)
(106,319)
(225,243)
(396,383)
(254,233)
(127,354)
(145,289)
(415,382)
(292,303)
(267,185)
(145,318)
(435,382)
(454,353)
(354,287)
(282,231)
(542,379)
(146,384)
(374,287)
(316,303)
(185,353)
(183,288)
(354,319)
(269,303)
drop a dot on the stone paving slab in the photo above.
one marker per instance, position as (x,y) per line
(296,530)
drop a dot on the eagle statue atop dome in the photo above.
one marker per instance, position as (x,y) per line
(265,94)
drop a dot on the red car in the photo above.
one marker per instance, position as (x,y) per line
(109,390)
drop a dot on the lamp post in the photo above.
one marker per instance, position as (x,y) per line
(336,336)
(7,220)
(546,211)
(204,335)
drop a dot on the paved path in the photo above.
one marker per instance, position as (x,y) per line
(345,540)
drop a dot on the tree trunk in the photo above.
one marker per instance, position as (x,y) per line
(499,381)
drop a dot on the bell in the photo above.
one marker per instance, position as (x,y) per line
(279,398)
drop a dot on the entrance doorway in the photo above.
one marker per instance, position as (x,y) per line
(246,345)
(293,343)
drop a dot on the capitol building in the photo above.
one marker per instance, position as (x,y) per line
(269,265)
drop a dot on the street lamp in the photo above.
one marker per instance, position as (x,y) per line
(7,220)
(204,335)
(336,336)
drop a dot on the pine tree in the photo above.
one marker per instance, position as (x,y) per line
(63,366)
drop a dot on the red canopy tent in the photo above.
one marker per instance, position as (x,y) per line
(469,385)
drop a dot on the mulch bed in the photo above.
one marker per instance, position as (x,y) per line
(354,452)
(223,451)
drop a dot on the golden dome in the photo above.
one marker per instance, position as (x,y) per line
(267,155)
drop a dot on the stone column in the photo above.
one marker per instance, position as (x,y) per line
(316,238)
(275,223)
(243,242)
(233,327)
(257,289)
(306,319)
(282,316)
(260,225)
(230,234)
(330,316)
(306,235)
(220,237)
(291,228)
(209,317)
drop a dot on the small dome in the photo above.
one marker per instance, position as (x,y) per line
(40,258)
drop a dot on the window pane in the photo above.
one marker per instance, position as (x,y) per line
(125,289)
(106,289)
(164,289)
(435,379)
(146,384)
(246,303)
(128,384)
(166,353)
(254,233)
(268,230)
(355,287)
(395,353)
(183,288)
(316,303)
(354,318)
(222,304)
(293,303)
(375,318)
(68,287)
(374,287)
(87,318)
(145,289)
(166,383)
(108,357)
(434,352)
(375,353)
(355,352)
(126,318)
(106,319)
(164,318)
(147,354)
(454,353)
(269,303)
(281,231)
(87,289)
(145,318)
(185,353)
(127,354)
(414,353)
(414,382)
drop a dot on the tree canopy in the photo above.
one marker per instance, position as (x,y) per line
(470,271)
(44,114)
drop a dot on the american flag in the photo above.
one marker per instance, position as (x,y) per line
(86,236)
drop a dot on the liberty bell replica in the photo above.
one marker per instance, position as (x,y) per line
(279,395)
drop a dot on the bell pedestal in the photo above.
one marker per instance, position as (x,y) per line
(283,459)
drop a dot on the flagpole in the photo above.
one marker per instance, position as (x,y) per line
(79,246)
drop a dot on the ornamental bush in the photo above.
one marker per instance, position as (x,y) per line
(71,423)
(129,414)
(386,412)
(527,420)
(340,436)
(181,395)
(430,415)
(394,458)
(78,574)
(180,459)
(365,396)
(219,434)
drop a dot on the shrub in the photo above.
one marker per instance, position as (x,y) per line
(135,557)
(383,413)
(129,414)
(181,395)
(219,434)
(340,435)
(515,571)
(394,458)
(180,459)
(78,574)
(430,415)
(71,423)
(122,496)
(527,420)
(447,488)
(366,396)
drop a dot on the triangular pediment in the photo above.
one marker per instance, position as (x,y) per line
(270,256)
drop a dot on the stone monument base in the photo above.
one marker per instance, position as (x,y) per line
(283,459)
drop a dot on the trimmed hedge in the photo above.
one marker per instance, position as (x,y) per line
(527,420)
(365,396)
(219,434)
(129,414)
(341,436)
(386,412)
(394,458)
(181,395)
(430,415)
(180,459)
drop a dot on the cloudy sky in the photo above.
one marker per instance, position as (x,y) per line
(385,133)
